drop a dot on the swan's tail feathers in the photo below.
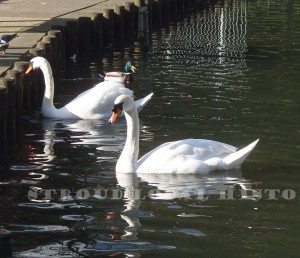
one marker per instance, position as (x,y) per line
(142,102)
(235,159)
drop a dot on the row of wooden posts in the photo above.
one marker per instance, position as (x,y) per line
(80,38)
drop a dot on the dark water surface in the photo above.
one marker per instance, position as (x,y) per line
(230,73)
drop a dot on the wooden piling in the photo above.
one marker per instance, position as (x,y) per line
(37,78)
(137,5)
(62,29)
(5,243)
(119,24)
(26,82)
(37,52)
(72,39)
(180,7)
(129,20)
(166,10)
(156,13)
(173,10)
(187,5)
(149,4)
(97,32)
(57,34)
(10,84)
(53,51)
(85,37)
(46,46)
(16,75)
(108,27)
(3,111)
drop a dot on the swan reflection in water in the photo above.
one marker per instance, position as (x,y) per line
(83,132)
(171,187)
(74,132)
(130,184)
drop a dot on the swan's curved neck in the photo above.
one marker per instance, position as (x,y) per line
(127,163)
(49,87)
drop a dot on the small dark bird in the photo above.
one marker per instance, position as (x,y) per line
(4,39)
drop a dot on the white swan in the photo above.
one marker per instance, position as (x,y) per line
(94,103)
(189,156)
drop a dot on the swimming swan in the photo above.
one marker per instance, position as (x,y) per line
(189,156)
(94,103)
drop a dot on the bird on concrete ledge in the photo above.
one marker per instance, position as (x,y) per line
(4,39)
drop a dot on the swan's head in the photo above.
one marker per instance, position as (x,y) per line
(122,103)
(37,63)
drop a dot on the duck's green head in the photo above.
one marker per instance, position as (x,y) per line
(129,68)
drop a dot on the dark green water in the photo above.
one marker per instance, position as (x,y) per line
(230,74)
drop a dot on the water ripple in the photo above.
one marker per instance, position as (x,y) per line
(187,231)
(25,167)
(38,228)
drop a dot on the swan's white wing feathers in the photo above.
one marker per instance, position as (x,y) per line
(185,156)
(97,102)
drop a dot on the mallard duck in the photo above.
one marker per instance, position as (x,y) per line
(124,77)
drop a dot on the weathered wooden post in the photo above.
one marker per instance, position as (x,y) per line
(97,32)
(129,20)
(62,53)
(137,5)
(72,39)
(53,49)
(35,86)
(108,31)
(18,78)
(85,37)
(143,21)
(25,81)
(166,10)
(187,5)
(180,6)
(46,46)
(173,9)
(5,243)
(119,24)
(156,12)
(37,78)
(10,84)
(37,52)
(149,4)
(57,34)
(3,111)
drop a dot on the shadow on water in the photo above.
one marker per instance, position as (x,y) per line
(229,73)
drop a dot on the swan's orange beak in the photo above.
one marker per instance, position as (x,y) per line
(116,112)
(29,69)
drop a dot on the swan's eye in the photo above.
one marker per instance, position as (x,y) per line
(118,107)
